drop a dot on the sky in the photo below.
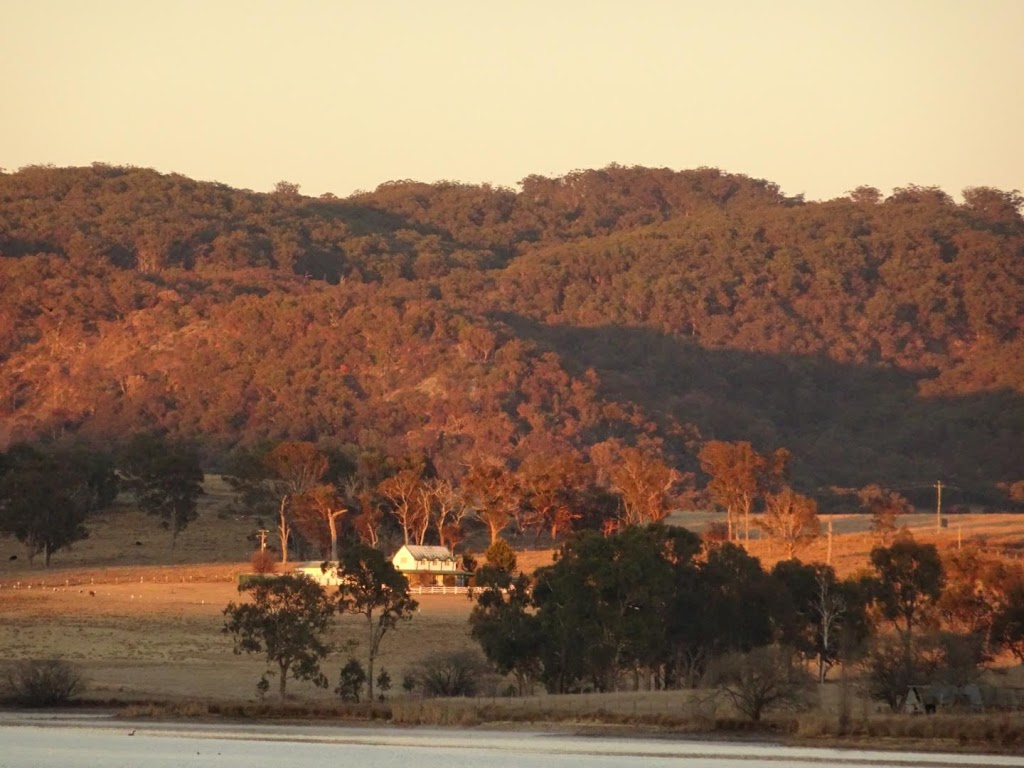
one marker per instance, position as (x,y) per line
(817,96)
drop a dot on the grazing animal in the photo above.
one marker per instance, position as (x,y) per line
(91,593)
(138,543)
(13,557)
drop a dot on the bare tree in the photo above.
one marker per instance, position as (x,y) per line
(830,607)
(294,468)
(425,511)
(402,490)
(550,483)
(326,506)
(739,475)
(885,507)
(492,490)
(769,676)
(645,483)
(449,511)
(368,515)
(791,519)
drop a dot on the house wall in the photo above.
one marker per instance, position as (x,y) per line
(404,561)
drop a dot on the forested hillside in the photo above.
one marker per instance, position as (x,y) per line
(878,339)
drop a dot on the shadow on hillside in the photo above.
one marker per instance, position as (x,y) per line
(847,425)
(367,220)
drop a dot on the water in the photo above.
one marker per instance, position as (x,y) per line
(28,741)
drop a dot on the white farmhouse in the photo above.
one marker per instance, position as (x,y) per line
(424,565)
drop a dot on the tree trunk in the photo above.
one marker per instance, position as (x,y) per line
(332,523)
(369,662)
(283,681)
(283,531)
(46,555)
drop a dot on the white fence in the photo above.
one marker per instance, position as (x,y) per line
(438,590)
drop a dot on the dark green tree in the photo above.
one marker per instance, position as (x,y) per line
(722,603)
(351,681)
(507,630)
(818,615)
(285,619)
(569,616)
(603,606)
(166,478)
(501,555)
(46,498)
(383,684)
(499,565)
(371,587)
(908,581)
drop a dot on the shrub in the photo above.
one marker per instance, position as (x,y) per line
(383,684)
(263,561)
(765,677)
(43,682)
(451,673)
(409,682)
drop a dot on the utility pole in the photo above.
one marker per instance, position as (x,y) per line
(938,507)
(263,539)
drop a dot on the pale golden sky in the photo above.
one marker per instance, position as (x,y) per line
(819,96)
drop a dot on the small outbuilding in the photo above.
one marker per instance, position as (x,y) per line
(429,565)
(928,699)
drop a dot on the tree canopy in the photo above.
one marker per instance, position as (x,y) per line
(286,620)
(369,586)
(46,496)
(461,322)
(166,478)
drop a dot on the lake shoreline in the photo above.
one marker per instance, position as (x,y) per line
(768,734)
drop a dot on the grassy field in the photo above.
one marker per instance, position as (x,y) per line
(144,621)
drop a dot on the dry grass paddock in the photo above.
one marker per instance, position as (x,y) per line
(852,540)
(144,621)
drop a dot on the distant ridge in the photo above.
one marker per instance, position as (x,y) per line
(878,338)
